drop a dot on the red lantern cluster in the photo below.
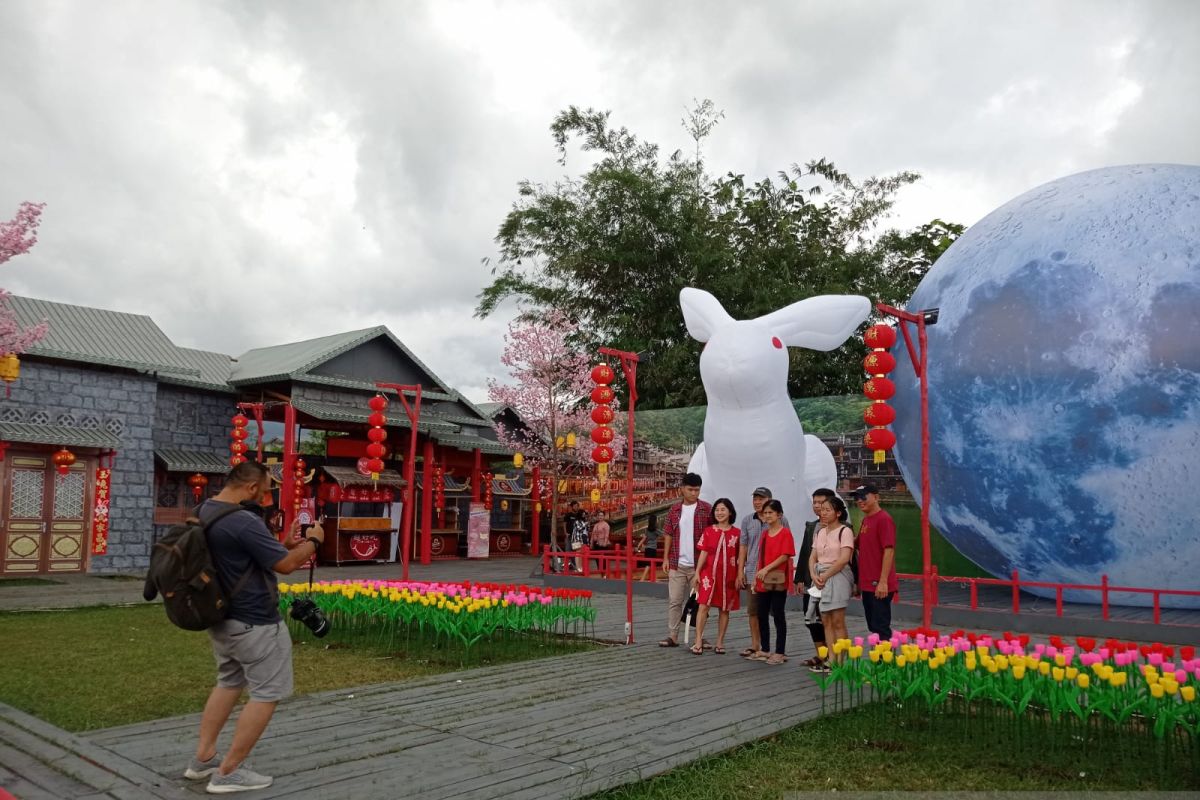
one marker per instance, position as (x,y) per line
(197,482)
(63,459)
(879,362)
(238,436)
(377,434)
(487,490)
(602,414)
(439,494)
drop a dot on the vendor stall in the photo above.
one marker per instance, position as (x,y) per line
(451,501)
(511,508)
(361,515)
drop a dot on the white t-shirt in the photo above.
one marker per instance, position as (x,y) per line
(687,536)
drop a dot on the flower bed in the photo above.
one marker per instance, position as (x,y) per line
(1141,699)
(459,615)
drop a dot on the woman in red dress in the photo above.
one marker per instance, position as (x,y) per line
(716,573)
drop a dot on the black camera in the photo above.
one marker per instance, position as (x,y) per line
(305,611)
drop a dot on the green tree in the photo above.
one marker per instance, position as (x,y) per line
(611,249)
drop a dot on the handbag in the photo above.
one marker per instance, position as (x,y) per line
(775,579)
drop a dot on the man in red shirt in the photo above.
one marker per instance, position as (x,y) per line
(876,561)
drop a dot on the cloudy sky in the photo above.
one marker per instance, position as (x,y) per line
(251,173)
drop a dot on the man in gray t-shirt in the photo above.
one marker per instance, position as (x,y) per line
(748,549)
(252,646)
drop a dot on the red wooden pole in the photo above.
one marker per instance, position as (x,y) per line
(287,486)
(629,362)
(476,476)
(427,504)
(407,517)
(535,524)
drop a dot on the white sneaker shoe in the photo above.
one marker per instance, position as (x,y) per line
(240,780)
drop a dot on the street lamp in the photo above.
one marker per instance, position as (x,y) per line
(920,361)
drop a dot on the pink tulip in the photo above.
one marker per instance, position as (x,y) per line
(1155,659)
(873,639)
(1180,675)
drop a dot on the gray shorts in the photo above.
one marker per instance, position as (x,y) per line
(837,591)
(258,656)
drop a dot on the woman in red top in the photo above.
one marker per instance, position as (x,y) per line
(716,573)
(773,582)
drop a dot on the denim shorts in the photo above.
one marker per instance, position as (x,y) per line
(257,656)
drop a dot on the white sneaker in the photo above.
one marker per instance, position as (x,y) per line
(240,780)
(198,769)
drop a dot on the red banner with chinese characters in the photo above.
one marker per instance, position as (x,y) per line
(100,511)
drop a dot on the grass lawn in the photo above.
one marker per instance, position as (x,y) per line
(830,753)
(91,668)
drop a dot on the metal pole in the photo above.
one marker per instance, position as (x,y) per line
(407,516)
(926,558)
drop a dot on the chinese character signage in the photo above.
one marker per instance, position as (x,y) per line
(100,511)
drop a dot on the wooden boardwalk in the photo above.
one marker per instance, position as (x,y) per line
(560,727)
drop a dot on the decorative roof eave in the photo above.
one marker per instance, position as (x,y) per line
(33,433)
(349,476)
(203,461)
(223,388)
(470,443)
(108,361)
(348,383)
(333,412)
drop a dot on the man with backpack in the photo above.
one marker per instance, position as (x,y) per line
(252,645)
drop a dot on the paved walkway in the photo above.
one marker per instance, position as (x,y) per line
(554,728)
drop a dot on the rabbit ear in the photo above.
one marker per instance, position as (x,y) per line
(702,313)
(819,323)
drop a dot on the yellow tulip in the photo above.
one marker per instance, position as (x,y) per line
(992,668)
(970,665)
(1188,693)
(1044,667)
(1001,662)
(822,652)
(1156,690)
(1084,680)
(1060,660)
(934,663)
(1071,673)
(888,656)
(924,655)
(901,661)
(856,651)
(1058,673)
(1019,671)
(1118,678)
(874,656)
(1170,687)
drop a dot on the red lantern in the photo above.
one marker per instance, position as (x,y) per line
(377,435)
(239,420)
(879,388)
(602,415)
(879,363)
(879,414)
(374,467)
(378,403)
(602,395)
(377,419)
(603,374)
(602,454)
(237,448)
(335,493)
(879,439)
(63,459)
(197,482)
(880,336)
(375,450)
(240,434)
(602,434)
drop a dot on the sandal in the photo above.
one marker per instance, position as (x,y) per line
(749,651)
(775,660)
(719,650)
(696,650)
(812,662)
(760,656)
(668,643)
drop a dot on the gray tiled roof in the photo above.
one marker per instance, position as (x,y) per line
(471,443)
(192,460)
(58,434)
(491,409)
(214,370)
(334,412)
(97,336)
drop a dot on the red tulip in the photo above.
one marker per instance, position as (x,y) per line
(1085,644)
(1187,652)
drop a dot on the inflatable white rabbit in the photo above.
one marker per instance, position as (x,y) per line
(752,436)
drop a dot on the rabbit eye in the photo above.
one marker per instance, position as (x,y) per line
(775,341)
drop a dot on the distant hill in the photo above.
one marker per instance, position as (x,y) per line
(682,428)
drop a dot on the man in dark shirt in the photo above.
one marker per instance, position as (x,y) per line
(876,561)
(252,646)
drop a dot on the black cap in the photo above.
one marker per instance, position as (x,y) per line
(864,490)
(761,491)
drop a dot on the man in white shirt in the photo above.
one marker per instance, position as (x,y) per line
(686,521)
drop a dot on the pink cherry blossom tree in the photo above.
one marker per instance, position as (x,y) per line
(17,236)
(551,393)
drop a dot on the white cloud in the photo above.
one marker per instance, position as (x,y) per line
(247,173)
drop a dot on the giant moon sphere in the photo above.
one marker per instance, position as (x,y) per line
(1064,385)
